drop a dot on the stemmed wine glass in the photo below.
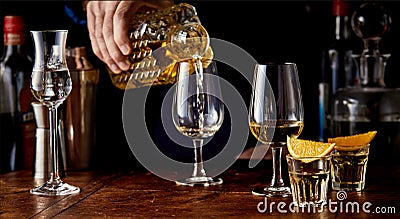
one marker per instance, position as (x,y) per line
(275,112)
(51,84)
(197,112)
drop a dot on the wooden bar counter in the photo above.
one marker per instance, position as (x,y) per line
(141,194)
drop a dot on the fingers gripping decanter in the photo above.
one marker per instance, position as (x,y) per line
(176,34)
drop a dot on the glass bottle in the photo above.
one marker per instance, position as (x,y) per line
(358,109)
(340,53)
(15,68)
(152,30)
(28,124)
(337,66)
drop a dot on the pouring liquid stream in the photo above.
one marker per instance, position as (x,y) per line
(198,67)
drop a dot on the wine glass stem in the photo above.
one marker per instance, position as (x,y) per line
(198,170)
(53,120)
(277,180)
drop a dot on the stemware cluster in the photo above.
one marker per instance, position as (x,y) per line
(275,111)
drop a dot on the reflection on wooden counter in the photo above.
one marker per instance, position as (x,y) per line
(142,194)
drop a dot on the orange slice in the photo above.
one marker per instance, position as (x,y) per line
(307,148)
(352,142)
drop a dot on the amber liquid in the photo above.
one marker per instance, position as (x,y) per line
(278,131)
(146,70)
(152,62)
(199,132)
(348,169)
(143,73)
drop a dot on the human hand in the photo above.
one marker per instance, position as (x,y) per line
(108,23)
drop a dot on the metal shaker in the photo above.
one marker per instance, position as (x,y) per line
(79,110)
(42,155)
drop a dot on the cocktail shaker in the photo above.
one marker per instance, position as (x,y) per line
(79,110)
(42,155)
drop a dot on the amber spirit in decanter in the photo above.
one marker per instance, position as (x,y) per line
(157,30)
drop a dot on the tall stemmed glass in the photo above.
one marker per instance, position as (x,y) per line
(275,112)
(51,84)
(198,112)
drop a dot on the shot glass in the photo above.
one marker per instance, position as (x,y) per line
(309,179)
(348,168)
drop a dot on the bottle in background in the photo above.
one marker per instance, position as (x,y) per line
(15,68)
(28,125)
(338,70)
(371,106)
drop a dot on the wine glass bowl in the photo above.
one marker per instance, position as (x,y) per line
(51,84)
(275,112)
(197,112)
(51,80)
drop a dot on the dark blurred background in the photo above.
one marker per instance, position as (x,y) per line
(295,31)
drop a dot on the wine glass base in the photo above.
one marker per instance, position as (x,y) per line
(200,181)
(53,189)
(272,191)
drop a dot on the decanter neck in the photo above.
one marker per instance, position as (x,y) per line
(371,66)
(371,46)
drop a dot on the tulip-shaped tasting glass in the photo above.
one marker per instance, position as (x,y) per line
(198,112)
(51,85)
(275,112)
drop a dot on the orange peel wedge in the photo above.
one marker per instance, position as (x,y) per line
(353,142)
(300,148)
